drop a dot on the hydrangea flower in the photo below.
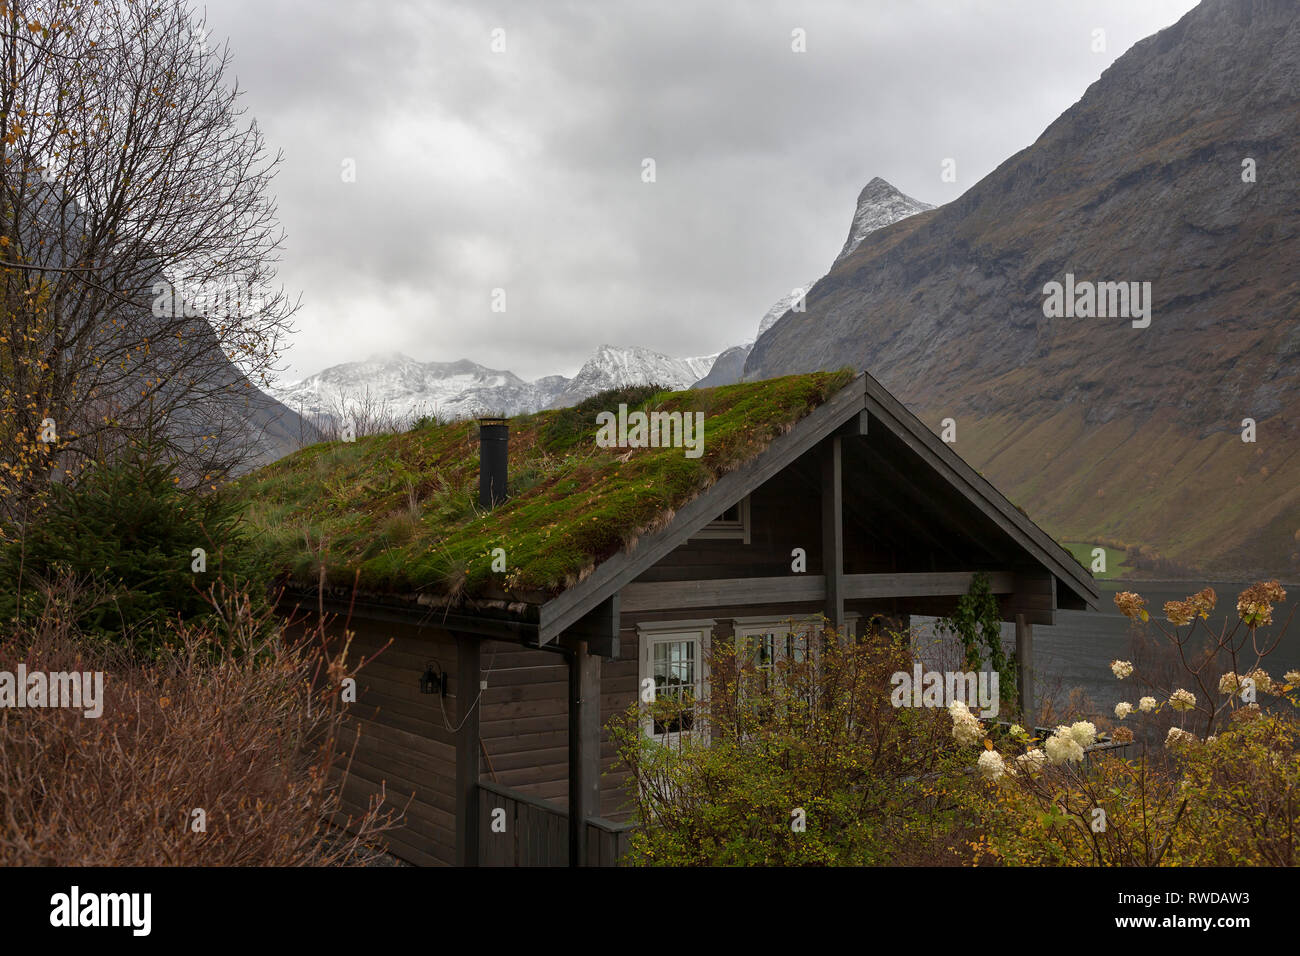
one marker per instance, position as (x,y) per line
(1178,736)
(991,764)
(1229,683)
(1063,747)
(1131,605)
(1263,683)
(1182,699)
(1123,709)
(1032,760)
(1084,733)
(1121,669)
(1292,677)
(966,728)
(1255,604)
(1147,704)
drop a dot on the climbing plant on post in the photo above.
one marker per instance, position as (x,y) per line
(977,623)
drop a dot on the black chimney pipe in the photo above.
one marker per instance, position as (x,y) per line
(493,456)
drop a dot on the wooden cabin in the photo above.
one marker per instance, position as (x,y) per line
(535,659)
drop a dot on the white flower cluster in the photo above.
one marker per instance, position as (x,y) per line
(1032,760)
(1182,699)
(1066,745)
(991,764)
(1123,709)
(1121,669)
(1179,736)
(966,727)
(1147,704)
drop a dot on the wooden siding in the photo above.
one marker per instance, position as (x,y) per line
(399,740)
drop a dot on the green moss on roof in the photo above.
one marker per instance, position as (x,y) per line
(399,513)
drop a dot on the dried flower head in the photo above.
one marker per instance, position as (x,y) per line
(1182,699)
(1180,613)
(1131,605)
(1255,604)
(1263,683)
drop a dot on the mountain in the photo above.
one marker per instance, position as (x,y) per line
(879,205)
(395,386)
(1178,168)
(406,388)
(613,366)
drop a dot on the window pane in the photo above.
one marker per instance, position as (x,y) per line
(674,677)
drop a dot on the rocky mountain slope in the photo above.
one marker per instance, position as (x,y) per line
(1178,168)
(879,205)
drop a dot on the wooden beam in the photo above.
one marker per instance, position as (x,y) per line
(723,592)
(832,488)
(801,589)
(1025,665)
(599,628)
(855,427)
(467,749)
(921,584)
(584,749)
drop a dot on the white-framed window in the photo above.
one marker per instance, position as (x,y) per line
(766,640)
(731,525)
(672,660)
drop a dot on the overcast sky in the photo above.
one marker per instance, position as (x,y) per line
(522,169)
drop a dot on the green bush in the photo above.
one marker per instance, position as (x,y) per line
(125,532)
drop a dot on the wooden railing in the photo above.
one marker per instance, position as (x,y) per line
(536,833)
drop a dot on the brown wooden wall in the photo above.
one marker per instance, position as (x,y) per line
(401,739)
(524,721)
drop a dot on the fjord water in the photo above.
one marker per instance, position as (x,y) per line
(1077,650)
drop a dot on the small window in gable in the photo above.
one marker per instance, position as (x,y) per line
(732,524)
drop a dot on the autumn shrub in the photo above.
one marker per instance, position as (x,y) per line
(803,763)
(196,759)
(1222,789)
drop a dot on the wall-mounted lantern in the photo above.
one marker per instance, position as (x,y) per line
(433,680)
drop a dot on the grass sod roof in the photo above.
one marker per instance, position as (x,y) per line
(399,513)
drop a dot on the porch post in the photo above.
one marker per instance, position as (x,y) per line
(584,747)
(467,748)
(1025,664)
(833,531)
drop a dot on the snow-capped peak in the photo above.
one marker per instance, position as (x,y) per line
(879,205)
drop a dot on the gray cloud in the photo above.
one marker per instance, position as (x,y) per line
(521,170)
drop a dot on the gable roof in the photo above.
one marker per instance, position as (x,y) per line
(863,395)
(582,522)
